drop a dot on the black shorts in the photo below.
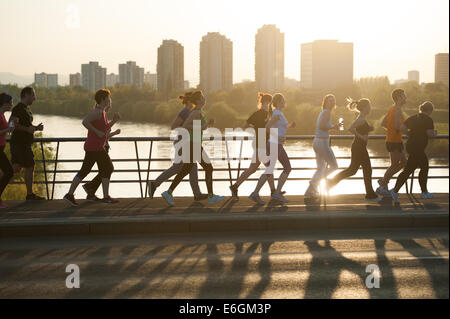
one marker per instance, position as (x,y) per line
(394,147)
(22,154)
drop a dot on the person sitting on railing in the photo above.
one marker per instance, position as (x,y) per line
(6,170)
(360,157)
(99,130)
(419,128)
(22,155)
(195,143)
(326,161)
(277,125)
(257,120)
(176,166)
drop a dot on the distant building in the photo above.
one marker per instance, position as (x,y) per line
(441,68)
(326,64)
(170,66)
(131,74)
(75,79)
(186,85)
(40,79)
(216,63)
(52,80)
(151,79)
(269,58)
(414,75)
(45,80)
(93,76)
(401,81)
(111,80)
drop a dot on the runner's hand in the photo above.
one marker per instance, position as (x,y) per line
(116,117)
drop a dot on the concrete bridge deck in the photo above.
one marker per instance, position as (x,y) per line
(147,216)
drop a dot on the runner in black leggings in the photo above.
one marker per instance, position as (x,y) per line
(5,165)
(360,157)
(419,128)
(195,144)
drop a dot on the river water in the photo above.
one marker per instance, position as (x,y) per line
(58,126)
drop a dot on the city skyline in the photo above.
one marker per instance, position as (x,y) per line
(110,42)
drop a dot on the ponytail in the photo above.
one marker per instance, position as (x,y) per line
(357,105)
(263,98)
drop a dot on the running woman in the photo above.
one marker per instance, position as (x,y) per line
(5,166)
(195,143)
(257,120)
(419,128)
(326,161)
(360,157)
(392,122)
(99,130)
(176,166)
(91,187)
(276,151)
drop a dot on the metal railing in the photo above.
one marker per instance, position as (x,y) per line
(138,160)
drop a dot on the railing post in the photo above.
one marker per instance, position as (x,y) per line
(228,161)
(45,169)
(239,164)
(139,168)
(148,168)
(54,170)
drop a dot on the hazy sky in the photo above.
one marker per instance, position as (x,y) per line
(390,36)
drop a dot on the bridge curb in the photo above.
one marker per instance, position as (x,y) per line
(321,221)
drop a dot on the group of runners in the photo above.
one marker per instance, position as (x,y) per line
(270,126)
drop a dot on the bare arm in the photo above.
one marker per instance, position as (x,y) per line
(176,123)
(87,122)
(431,133)
(29,129)
(355,124)
(384,122)
(404,129)
(189,123)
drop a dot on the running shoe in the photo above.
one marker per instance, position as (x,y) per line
(279,197)
(2,204)
(234,191)
(200,197)
(311,191)
(255,197)
(215,199)
(71,199)
(426,195)
(383,191)
(34,197)
(92,198)
(109,200)
(394,196)
(151,188)
(168,197)
(373,198)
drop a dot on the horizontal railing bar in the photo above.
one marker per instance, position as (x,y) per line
(223,138)
(217,169)
(227,180)
(124,160)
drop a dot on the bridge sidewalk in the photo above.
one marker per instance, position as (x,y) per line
(147,216)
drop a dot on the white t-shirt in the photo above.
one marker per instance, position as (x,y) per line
(281,125)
